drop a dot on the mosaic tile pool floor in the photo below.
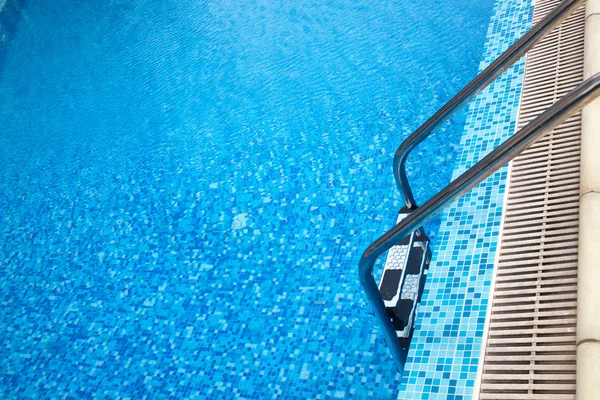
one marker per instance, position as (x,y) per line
(186,189)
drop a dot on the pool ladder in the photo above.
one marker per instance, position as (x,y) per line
(396,299)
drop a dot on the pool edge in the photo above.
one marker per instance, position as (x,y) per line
(588,297)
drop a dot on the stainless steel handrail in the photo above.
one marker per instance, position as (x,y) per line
(487,76)
(566,107)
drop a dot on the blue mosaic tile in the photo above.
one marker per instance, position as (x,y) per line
(187,187)
(445,351)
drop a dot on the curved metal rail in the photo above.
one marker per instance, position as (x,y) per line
(563,109)
(487,76)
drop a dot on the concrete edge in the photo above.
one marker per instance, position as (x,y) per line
(588,286)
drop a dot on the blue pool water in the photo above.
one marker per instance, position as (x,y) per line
(187,186)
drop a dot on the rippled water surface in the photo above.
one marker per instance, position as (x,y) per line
(186,188)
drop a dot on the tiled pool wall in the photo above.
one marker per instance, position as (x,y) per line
(445,350)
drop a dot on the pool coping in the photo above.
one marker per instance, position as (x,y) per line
(588,298)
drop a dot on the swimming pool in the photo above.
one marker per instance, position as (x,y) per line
(187,188)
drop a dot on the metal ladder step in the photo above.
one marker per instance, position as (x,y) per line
(403,279)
